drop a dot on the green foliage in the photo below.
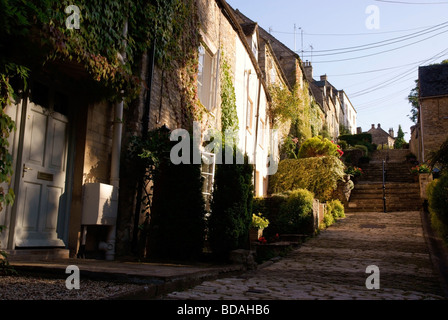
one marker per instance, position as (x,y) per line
(297,107)
(413,99)
(354,171)
(439,158)
(296,213)
(259,222)
(270,208)
(231,208)
(35,32)
(364,149)
(343,144)
(290,148)
(336,208)
(7,125)
(177,225)
(383,147)
(229,116)
(358,139)
(399,141)
(5,267)
(319,147)
(437,198)
(319,175)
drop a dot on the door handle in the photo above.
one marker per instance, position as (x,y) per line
(25,169)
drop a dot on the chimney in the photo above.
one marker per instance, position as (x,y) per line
(391,132)
(379,125)
(323,77)
(308,68)
(373,126)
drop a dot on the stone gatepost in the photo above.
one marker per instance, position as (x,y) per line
(424,179)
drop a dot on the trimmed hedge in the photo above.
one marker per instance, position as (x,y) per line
(438,204)
(177,226)
(319,175)
(288,213)
(296,213)
(231,208)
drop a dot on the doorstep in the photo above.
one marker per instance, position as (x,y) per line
(45,254)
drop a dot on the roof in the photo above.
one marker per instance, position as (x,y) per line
(249,28)
(433,80)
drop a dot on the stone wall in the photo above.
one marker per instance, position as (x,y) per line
(434,116)
(98,143)
(381,137)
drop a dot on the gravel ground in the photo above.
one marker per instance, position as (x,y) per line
(46,287)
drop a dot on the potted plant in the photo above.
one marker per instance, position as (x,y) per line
(354,172)
(257,226)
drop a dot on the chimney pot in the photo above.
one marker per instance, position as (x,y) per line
(379,125)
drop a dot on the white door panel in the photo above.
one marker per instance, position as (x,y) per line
(43,175)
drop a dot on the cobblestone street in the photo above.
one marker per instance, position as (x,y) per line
(333,265)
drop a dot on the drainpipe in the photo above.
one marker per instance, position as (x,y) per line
(115,159)
(256,134)
(145,128)
(421,132)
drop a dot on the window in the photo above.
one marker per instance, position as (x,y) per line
(249,114)
(208,173)
(255,49)
(207,77)
(262,134)
(272,76)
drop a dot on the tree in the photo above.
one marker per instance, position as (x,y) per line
(399,141)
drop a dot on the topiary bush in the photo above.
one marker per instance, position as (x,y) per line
(177,225)
(296,213)
(231,208)
(270,208)
(319,175)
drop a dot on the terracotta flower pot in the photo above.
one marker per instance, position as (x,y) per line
(255,234)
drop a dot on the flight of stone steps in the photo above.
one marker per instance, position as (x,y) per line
(401,192)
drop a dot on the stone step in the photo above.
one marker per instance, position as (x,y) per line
(37,254)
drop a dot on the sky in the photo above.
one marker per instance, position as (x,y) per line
(371,49)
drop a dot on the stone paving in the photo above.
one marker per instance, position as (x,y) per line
(333,265)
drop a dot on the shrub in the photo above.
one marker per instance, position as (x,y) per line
(336,208)
(270,208)
(177,226)
(343,144)
(5,267)
(259,222)
(438,200)
(231,208)
(328,218)
(319,175)
(354,139)
(319,147)
(363,148)
(296,213)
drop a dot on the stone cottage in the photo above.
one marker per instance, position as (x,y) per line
(381,137)
(431,129)
(75,188)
